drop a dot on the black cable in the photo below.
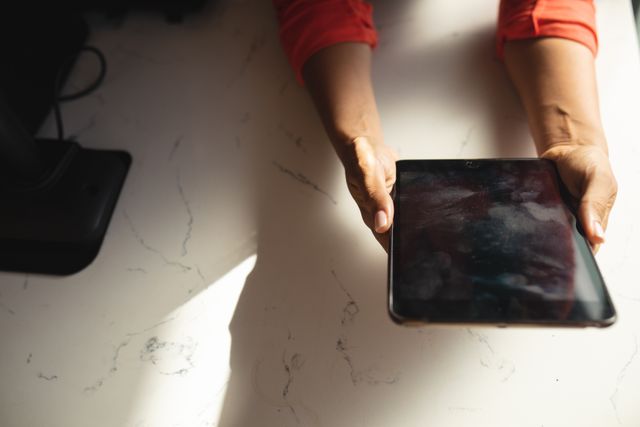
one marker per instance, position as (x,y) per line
(57,98)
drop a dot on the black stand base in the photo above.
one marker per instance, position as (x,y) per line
(57,227)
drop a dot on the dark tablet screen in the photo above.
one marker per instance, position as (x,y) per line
(490,241)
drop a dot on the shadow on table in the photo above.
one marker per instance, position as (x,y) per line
(312,343)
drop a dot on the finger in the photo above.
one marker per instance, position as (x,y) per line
(377,179)
(376,210)
(595,206)
(380,203)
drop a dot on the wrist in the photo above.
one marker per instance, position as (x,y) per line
(555,130)
(346,145)
(558,150)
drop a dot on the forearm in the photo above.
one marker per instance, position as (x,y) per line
(556,82)
(339,81)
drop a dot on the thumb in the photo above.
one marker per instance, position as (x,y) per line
(380,204)
(595,205)
(383,217)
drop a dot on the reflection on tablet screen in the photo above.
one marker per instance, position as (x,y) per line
(494,242)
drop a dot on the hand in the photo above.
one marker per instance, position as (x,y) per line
(586,172)
(370,170)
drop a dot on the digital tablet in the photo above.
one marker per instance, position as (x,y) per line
(490,241)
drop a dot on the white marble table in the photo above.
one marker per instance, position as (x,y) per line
(237,286)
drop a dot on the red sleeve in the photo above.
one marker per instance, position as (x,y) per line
(306,26)
(569,19)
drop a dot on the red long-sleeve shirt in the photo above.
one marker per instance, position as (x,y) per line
(306,26)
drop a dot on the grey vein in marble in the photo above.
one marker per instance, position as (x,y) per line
(137,269)
(47,377)
(466,140)
(351,309)
(627,297)
(284,86)
(200,274)
(304,180)
(621,375)
(6,309)
(29,358)
(481,338)
(133,334)
(174,147)
(349,312)
(112,370)
(257,43)
(78,133)
(187,206)
(116,356)
(25,284)
(155,350)
(505,367)
(138,55)
(360,376)
(510,372)
(290,366)
(296,139)
(144,244)
(340,346)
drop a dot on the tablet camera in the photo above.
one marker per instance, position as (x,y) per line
(472,165)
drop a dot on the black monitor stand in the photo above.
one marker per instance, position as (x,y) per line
(56,200)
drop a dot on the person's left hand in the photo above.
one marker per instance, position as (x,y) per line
(586,172)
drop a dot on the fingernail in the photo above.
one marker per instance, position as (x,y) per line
(597,228)
(380,220)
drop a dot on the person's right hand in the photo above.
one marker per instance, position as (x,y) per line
(370,170)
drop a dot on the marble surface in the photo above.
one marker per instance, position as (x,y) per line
(237,286)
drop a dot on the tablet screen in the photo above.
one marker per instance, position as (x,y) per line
(490,241)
